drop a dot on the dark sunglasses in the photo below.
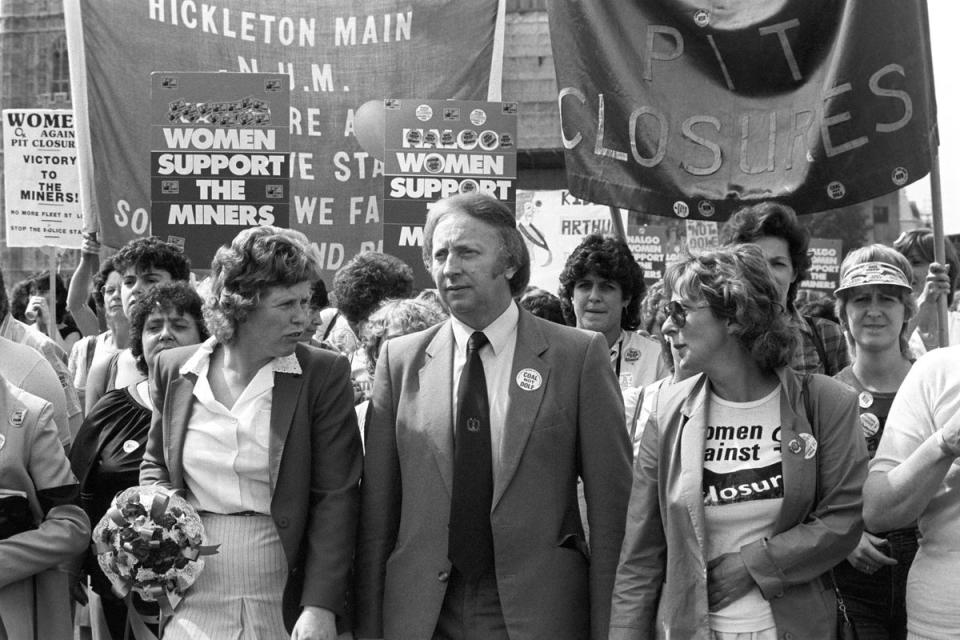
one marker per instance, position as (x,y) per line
(678,313)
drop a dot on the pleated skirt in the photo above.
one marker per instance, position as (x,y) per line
(239,593)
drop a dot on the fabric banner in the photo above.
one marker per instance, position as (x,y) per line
(41,189)
(695,108)
(337,55)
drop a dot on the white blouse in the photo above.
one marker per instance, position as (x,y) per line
(226,450)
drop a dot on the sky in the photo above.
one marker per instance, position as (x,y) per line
(946,50)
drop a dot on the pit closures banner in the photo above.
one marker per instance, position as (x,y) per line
(694,108)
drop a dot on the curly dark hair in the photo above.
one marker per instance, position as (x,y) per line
(543,304)
(368,279)
(775,220)
(736,282)
(492,212)
(319,298)
(175,296)
(145,253)
(920,241)
(610,258)
(37,284)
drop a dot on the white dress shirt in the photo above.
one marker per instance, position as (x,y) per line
(226,450)
(497,359)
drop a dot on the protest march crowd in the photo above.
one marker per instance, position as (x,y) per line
(483,459)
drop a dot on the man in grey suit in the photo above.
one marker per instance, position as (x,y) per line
(479,431)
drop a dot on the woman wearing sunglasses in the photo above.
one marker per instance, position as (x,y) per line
(747,484)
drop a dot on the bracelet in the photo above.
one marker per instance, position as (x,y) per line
(944,447)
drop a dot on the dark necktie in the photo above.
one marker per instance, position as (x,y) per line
(471,538)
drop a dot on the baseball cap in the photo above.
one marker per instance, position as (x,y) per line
(868,273)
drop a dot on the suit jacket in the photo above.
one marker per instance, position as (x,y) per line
(661,587)
(570,426)
(32,461)
(315,465)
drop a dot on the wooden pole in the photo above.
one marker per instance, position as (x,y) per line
(618,223)
(52,330)
(495,85)
(939,240)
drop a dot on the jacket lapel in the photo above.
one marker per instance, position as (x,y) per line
(692,441)
(286,391)
(523,404)
(435,402)
(177,410)
(799,472)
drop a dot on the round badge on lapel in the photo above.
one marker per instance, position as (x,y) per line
(529,379)
(17,417)
(809,445)
(865,399)
(794,446)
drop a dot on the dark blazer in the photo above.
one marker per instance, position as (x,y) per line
(569,426)
(315,467)
(661,587)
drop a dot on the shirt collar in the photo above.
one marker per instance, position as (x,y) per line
(198,362)
(498,332)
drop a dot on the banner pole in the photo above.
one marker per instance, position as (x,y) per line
(617,223)
(52,329)
(495,85)
(939,249)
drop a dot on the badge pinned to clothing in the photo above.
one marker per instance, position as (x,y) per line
(631,354)
(130,446)
(529,379)
(809,445)
(17,416)
(870,424)
(865,399)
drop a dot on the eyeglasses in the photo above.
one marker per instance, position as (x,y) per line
(678,313)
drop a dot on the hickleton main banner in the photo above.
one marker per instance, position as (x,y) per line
(338,55)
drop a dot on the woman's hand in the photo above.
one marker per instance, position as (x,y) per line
(37,312)
(867,557)
(936,285)
(315,623)
(727,580)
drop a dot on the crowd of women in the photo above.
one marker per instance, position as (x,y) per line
(752,514)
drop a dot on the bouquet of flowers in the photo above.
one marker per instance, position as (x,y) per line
(151,541)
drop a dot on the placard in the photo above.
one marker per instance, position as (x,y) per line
(41,187)
(219,161)
(435,149)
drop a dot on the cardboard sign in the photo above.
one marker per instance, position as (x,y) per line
(219,160)
(435,149)
(826,255)
(648,246)
(41,187)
